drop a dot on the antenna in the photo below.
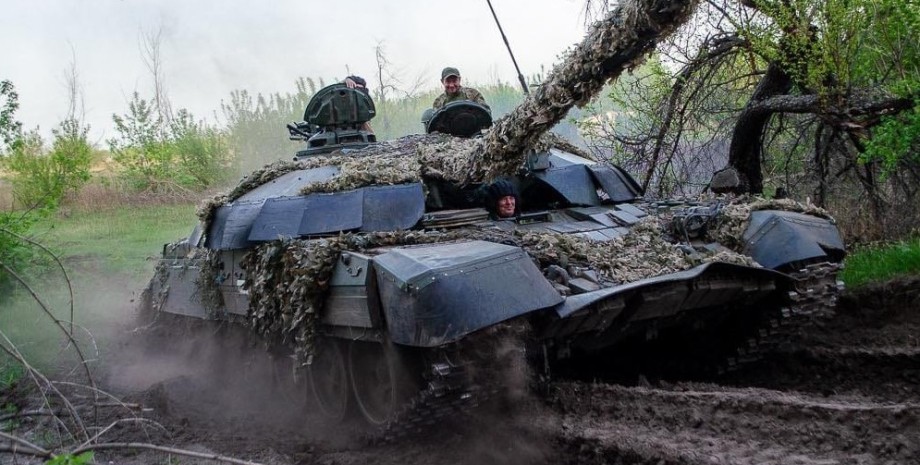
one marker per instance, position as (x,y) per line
(520,76)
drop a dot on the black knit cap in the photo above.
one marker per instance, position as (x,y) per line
(502,188)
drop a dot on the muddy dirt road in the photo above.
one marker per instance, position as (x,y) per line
(845,390)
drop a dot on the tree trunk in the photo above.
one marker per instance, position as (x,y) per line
(745,154)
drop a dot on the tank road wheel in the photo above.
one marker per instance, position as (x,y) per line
(378,380)
(327,378)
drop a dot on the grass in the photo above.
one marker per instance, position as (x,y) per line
(879,263)
(107,256)
(117,240)
(10,373)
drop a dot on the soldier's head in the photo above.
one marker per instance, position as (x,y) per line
(504,196)
(450,77)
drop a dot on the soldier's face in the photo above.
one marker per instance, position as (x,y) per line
(451,84)
(506,206)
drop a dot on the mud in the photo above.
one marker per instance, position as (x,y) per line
(845,390)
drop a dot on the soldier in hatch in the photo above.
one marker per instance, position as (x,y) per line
(453,91)
(358,82)
(502,199)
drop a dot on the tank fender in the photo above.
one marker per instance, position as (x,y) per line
(660,301)
(576,302)
(173,288)
(776,238)
(436,294)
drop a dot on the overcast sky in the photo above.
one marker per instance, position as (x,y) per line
(210,48)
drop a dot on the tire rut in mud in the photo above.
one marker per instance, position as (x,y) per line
(843,390)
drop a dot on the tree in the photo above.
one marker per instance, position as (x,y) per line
(9,103)
(817,96)
(168,157)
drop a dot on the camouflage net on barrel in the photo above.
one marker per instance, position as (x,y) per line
(619,42)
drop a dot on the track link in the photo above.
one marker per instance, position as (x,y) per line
(460,380)
(814,297)
(449,394)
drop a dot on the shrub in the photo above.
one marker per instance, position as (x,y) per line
(14,253)
(163,156)
(41,179)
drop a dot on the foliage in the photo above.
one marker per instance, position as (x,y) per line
(10,373)
(879,263)
(164,156)
(9,103)
(14,253)
(892,52)
(70,459)
(255,124)
(42,179)
(895,139)
(821,95)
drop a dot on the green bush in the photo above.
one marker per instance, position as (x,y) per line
(163,156)
(14,253)
(256,125)
(41,179)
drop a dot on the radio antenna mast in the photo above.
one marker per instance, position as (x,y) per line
(520,76)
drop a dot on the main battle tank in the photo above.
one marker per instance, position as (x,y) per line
(383,270)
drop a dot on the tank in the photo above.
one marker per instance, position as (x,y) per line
(403,292)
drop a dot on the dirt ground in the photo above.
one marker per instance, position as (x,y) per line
(845,390)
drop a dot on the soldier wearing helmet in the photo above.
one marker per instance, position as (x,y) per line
(453,91)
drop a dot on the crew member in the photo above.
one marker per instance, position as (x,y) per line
(502,199)
(453,91)
(358,82)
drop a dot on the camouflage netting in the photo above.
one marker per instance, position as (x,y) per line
(640,254)
(619,42)
(735,217)
(209,280)
(287,280)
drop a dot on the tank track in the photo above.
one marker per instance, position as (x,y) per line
(450,392)
(459,380)
(813,298)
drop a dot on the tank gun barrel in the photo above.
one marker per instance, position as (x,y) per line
(618,42)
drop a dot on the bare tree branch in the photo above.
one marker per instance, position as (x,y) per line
(170,450)
(33,449)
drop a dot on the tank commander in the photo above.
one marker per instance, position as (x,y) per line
(453,91)
(502,199)
(358,82)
